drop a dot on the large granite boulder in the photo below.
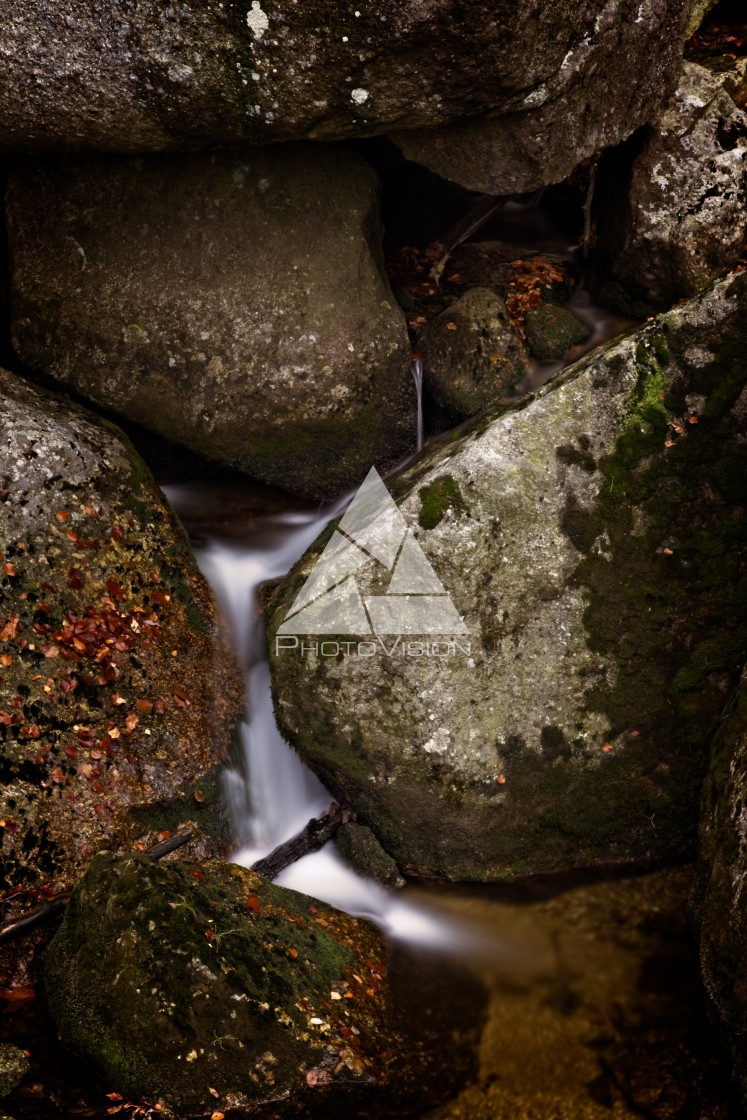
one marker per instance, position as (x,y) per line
(95,76)
(591,539)
(678,217)
(583,102)
(719,893)
(118,694)
(207,989)
(235,304)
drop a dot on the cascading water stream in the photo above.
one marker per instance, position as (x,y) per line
(271,793)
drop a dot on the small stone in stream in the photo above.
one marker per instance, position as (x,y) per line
(552,330)
(360,848)
(13,1066)
(472,353)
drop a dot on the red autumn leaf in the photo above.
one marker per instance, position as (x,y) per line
(62,516)
(9,569)
(144,706)
(210,934)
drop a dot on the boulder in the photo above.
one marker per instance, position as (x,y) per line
(119,695)
(584,101)
(591,540)
(722,876)
(551,331)
(680,217)
(13,1066)
(472,353)
(94,76)
(207,989)
(234,304)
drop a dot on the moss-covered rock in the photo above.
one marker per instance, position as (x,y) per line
(719,892)
(676,216)
(234,304)
(592,538)
(117,688)
(209,989)
(472,353)
(553,330)
(13,1066)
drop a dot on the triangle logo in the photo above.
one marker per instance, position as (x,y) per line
(372,532)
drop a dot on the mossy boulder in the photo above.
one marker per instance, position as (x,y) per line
(206,988)
(234,304)
(592,538)
(719,892)
(472,353)
(674,214)
(118,691)
(551,331)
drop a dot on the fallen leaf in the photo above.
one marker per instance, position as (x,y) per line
(62,516)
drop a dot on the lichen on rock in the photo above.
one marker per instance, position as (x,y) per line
(592,539)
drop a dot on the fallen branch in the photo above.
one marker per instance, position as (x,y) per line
(17,927)
(316,833)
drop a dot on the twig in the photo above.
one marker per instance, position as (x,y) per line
(316,833)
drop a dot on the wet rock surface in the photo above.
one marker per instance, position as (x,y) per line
(209,989)
(718,896)
(183,75)
(472,353)
(362,851)
(236,305)
(682,218)
(119,695)
(592,540)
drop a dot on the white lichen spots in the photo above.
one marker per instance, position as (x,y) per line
(180,73)
(439,742)
(255,76)
(345,39)
(257,20)
(359,96)
(351,347)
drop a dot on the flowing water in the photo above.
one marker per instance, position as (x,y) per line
(271,793)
